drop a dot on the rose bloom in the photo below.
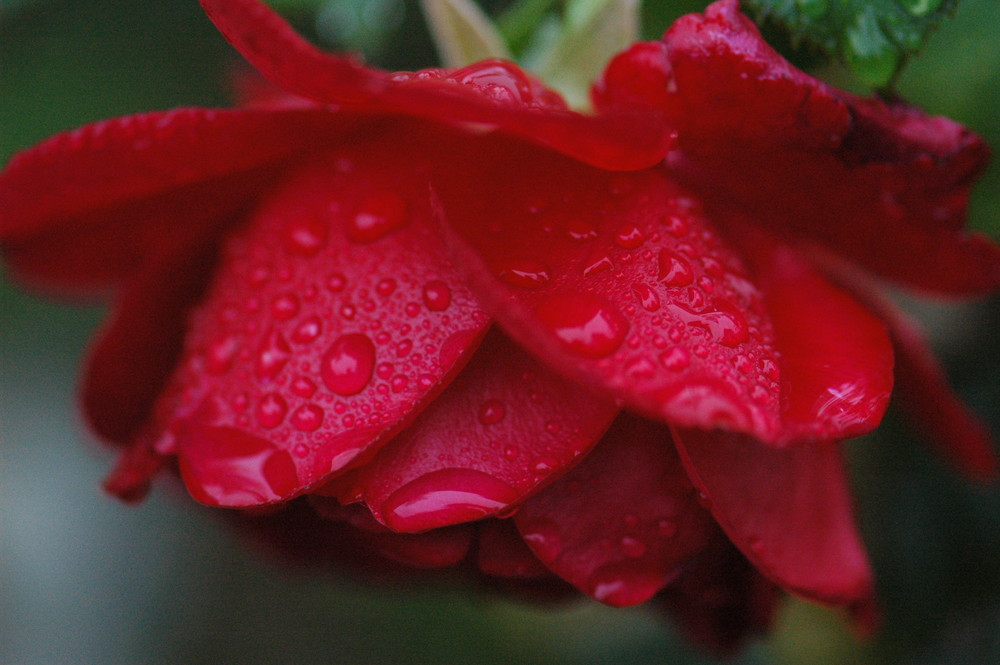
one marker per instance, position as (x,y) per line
(439,320)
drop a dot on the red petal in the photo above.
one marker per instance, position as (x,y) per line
(836,357)
(492,93)
(440,548)
(721,600)
(505,427)
(132,188)
(503,553)
(617,280)
(923,390)
(620,524)
(879,182)
(140,345)
(788,510)
(331,323)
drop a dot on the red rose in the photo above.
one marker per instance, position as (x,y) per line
(682,287)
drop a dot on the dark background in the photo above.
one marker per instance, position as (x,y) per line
(84,579)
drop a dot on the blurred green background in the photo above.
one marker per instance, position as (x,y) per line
(84,579)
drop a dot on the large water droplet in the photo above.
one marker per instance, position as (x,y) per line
(524,274)
(272,357)
(305,236)
(437,295)
(674,269)
(308,330)
(492,411)
(629,236)
(444,497)
(626,583)
(271,410)
(542,536)
(377,215)
(347,366)
(647,297)
(585,324)
(307,418)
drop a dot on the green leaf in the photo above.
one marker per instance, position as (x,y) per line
(873,38)
(592,32)
(462,32)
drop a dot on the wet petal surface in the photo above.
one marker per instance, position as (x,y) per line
(619,526)
(505,427)
(332,321)
(619,281)
(788,510)
(895,182)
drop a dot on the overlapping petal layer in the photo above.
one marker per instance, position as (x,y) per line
(493,94)
(621,524)
(332,320)
(501,430)
(788,510)
(87,208)
(879,182)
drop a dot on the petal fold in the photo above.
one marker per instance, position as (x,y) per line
(621,524)
(504,428)
(494,93)
(894,182)
(788,510)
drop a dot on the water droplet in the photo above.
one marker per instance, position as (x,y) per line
(305,236)
(597,263)
(336,283)
(219,355)
(629,236)
(742,363)
(272,357)
(437,295)
(632,547)
(586,325)
(377,215)
(511,453)
(676,359)
(285,306)
(412,309)
(308,330)
(386,287)
(300,450)
(444,497)
(552,427)
(676,226)
(647,297)
(542,536)
(384,370)
(303,387)
(404,347)
(667,528)
(580,231)
(544,465)
(726,325)
(307,418)
(492,411)
(399,383)
(524,274)
(346,367)
(625,583)
(641,368)
(674,269)
(271,410)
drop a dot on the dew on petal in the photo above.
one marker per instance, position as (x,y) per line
(580,231)
(674,269)
(629,236)
(271,410)
(492,411)
(306,236)
(386,287)
(303,387)
(272,357)
(378,215)
(529,275)
(542,536)
(285,306)
(307,418)
(308,330)
(347,366)
(647,297)
(586,325)
(437,295)
(446,496)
